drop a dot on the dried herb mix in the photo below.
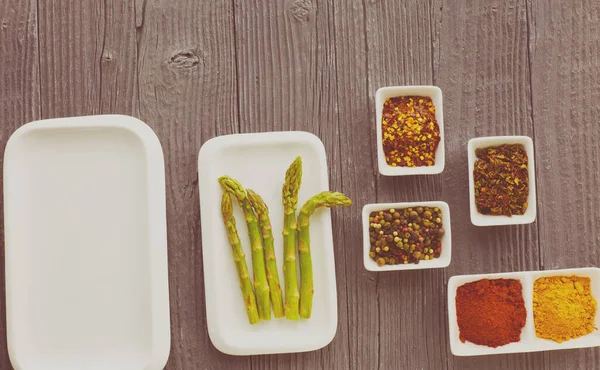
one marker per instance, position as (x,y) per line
(490,312)
(407,235)
(411,133)
(501,180)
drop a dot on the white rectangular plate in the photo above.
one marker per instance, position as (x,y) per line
(86,257)
(259,162)
(529,341)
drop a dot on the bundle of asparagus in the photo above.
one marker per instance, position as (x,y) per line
(261,285)
(271,262)
(240,259)
(264,264)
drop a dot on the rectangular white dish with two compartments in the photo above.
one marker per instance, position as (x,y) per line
(529,341)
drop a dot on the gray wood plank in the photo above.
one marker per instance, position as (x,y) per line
(286,75)
(400,41)
(357,161)
(19,100)
(565,65)
(187,94)
(484,73)
(70,57)
(87,57)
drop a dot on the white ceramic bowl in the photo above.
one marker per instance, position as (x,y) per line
(529,341)
(490,220)
(442,261)
(384,93)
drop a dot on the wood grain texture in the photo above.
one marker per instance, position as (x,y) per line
(194,70)
(187,94)
(286,81)
(358,181)
(87,57)
(19,100)
(400,43)
(484,73)
(565,66)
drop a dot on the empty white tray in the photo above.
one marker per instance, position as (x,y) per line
(86,257)
(259,162)
(529,341)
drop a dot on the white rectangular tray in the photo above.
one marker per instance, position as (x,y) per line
(529,341)
(86,257)
(259,162)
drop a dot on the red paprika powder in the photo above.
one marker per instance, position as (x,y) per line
(490,312)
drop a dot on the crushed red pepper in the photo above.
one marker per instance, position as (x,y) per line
(408,235)
(411,134)
(501,180)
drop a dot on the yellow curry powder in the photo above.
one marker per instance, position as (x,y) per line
(563,307)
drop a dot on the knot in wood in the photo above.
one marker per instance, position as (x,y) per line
(300,10)
(107,56)
(185,59)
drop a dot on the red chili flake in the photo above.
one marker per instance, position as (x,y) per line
(411,134)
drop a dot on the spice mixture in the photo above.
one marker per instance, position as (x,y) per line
(563,307)
(490,312)
(411,133)
(501,180)
(406,235)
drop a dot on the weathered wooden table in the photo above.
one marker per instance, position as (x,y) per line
(197,69)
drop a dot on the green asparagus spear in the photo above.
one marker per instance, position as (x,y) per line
(291,187)
(261,285)
(240,259)
(323,199)
(264,222)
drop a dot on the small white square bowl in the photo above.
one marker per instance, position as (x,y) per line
(442,261)
(490,220)
(384,93)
